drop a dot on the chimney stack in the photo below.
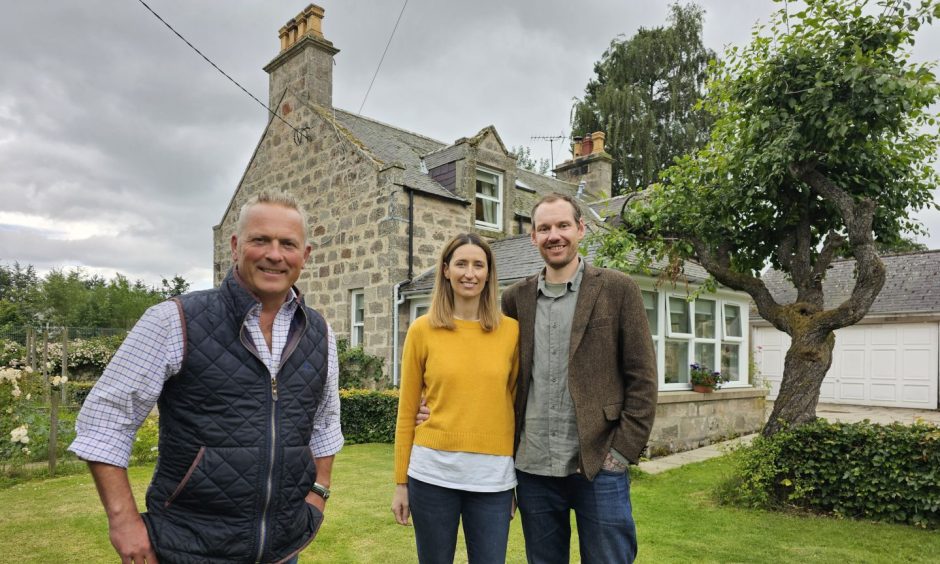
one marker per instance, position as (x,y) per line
(591,167)
(305,62)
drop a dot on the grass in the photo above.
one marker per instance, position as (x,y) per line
(60,520)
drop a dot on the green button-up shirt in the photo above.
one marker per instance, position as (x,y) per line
(549,442)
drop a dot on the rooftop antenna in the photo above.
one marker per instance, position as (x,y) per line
(551,143)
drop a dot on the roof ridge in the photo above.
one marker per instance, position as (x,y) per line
(390,126)
(893,254)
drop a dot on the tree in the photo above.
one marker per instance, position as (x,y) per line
(644,97)
(175,287)
(64,296)
(20,294)
(822,145)
(525,160)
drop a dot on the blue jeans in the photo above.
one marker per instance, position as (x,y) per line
(606,531)
(435,512)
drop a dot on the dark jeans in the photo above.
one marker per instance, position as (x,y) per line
(606,531)
(435,512)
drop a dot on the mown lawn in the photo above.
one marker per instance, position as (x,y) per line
(60,520)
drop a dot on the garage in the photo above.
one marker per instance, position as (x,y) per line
(883,364)
(891,358)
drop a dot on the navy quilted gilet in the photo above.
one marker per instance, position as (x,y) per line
(234,464)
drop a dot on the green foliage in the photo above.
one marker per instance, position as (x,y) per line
(20,295)
(73,298)
(177,286)
(861,470)
(524,160)
(144,450)
(644,97)
(357,368)
(25,419)
(368,416)
(822,145)
(87,358)
(11,353)
(77,391)
(829,88)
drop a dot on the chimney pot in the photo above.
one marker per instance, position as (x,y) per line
(576,147)
(313,14)
(587,146)
(597,138)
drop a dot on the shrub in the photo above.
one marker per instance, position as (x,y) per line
(860,470)
(144,449)
(368,416)
(11,353)
(25,421)
(87,358)
(77,392)
(357,368)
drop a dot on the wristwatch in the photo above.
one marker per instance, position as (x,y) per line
(320,490)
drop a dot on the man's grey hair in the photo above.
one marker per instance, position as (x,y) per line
(277,198)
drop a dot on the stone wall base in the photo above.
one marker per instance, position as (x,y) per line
(686,420)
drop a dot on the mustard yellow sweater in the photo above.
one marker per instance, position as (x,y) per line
(468,377)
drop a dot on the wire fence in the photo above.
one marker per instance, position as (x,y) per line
(19,333)
(46,374)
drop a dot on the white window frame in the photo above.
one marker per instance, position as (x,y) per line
(498,226)
(724,324)
(357,297)
(664,334)
(714,340)
(689,316)
(416,303)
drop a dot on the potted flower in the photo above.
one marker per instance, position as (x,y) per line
(703,379)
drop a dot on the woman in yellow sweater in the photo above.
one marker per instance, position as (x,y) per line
(463,358)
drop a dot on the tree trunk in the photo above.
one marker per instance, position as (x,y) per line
(806,364)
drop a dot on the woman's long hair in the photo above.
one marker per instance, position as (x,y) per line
(441,314)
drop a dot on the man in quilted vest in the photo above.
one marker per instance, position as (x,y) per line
(245,378)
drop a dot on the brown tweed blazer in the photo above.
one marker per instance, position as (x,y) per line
(611,365)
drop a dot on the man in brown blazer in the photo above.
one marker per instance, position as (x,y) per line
(585,398)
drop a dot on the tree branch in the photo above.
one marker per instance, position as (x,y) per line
(858,218)
(718,264)
(831,246)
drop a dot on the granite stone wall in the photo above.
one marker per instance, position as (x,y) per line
(688,420)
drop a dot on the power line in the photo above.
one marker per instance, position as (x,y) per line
(366,97)
(235,82)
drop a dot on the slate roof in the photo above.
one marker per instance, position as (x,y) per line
(390,144)
(516,257)
(608,206)
(444,155)
(543,184)
(393,145)
(912,284)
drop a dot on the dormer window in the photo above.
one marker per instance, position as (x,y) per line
(489,199)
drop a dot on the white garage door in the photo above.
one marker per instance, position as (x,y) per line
(891,365)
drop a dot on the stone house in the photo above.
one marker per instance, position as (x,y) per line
(382,201)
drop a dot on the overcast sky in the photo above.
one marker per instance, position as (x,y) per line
(120,147)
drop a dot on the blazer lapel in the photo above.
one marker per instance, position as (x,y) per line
(526,304)
(587,294)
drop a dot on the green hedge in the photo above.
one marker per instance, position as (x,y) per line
(861,470)
(368,416)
